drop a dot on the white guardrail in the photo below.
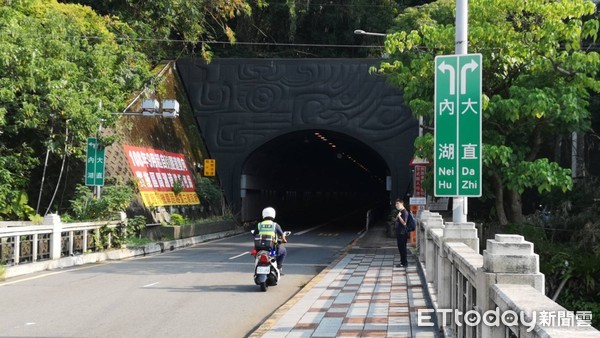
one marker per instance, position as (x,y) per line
(23,242)
(26,248)
(497,294)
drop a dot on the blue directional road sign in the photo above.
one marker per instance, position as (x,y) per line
(458,119)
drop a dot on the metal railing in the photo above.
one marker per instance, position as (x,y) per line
(22,243)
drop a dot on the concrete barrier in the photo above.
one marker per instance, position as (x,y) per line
(492,287)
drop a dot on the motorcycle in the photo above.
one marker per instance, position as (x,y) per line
(266,272)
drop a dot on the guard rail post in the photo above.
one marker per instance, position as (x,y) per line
(433,222)
(55,245)
(422,215)
(507,259)
(453,232)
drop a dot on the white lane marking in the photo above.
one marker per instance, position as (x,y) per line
(311,229)
(50,274)
(149,285)
(240,255)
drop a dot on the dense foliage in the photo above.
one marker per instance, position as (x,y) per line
(86,207)
(59,62)
(566,236)
(317,28)
(210,193)
(66,67)
(170,28)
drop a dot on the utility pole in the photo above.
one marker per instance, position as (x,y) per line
(461,43)
(98,188)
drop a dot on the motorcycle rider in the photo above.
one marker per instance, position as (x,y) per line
(269,227)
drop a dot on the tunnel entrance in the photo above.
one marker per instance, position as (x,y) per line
(313,176)
(258,119)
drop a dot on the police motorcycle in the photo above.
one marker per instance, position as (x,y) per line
(266,272)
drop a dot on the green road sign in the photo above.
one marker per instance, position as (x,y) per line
(457,125)
(94,168)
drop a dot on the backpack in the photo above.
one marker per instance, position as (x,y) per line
(411,224)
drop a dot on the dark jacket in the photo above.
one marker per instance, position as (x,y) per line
(401,228)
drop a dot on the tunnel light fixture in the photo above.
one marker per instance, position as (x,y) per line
(170,109)
(150,107)
(341,155)
(323,138)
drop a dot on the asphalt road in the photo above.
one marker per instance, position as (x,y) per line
(201,291)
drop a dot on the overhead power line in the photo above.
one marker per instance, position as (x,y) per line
(312,4)
(587,47)
(83,37)
(293,44)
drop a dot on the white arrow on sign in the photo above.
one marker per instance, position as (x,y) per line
(443,67)
(463,75)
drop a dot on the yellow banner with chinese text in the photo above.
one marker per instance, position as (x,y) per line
(162,198)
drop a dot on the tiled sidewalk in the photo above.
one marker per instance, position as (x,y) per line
(363,295)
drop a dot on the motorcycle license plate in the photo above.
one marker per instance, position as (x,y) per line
(263,269)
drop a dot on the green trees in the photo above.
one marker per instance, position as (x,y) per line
(58,62)
(537,79)
(317,28)
(165,29)
(65,68)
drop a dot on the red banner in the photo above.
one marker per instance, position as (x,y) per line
(420,174)
(157,172)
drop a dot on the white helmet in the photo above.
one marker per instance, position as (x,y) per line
(268,212)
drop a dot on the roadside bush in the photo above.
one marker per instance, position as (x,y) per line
(110,237)
(571,271)
(85,206)
(210,195)
(177,219)
(135,226)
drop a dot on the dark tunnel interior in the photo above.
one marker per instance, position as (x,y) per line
(315,176)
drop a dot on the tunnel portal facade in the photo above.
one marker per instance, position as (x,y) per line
(293,131)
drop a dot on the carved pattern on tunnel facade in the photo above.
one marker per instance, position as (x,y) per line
(241,104)
(248,101)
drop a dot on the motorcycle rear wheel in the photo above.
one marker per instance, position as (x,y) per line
(263,286)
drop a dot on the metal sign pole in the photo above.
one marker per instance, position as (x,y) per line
(459,204)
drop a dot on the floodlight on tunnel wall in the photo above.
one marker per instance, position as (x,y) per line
(170,108)
(150,107)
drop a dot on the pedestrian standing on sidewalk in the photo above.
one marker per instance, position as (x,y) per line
(401,232)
